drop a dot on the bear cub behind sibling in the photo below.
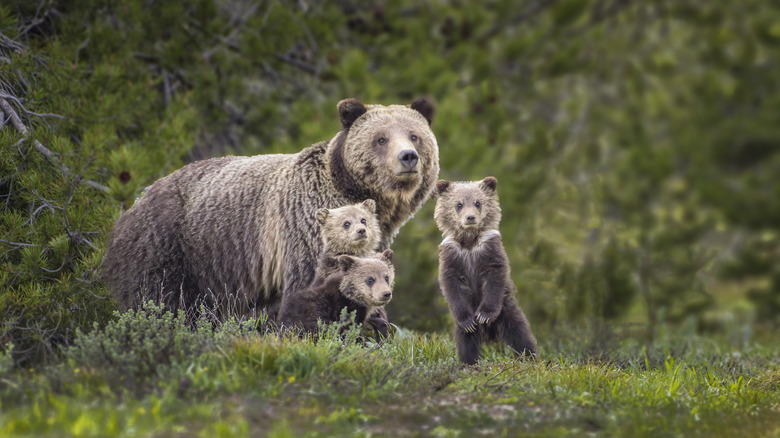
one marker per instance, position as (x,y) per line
(474,272)
(361,284)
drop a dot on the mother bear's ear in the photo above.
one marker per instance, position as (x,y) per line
(424,107)
(349,111)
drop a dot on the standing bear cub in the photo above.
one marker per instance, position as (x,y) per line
(242,229)
(361,285)
(474,270)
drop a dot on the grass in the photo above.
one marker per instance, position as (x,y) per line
(240,383)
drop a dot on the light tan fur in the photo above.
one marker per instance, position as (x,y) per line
(352,229)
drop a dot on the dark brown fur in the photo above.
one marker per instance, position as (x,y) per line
(338,239)
(243,229)
(474,272)
(347,287)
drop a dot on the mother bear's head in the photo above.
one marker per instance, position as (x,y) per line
(388,152)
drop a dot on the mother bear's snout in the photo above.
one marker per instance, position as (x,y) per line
(408,159)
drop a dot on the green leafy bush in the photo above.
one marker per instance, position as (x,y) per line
(144,343)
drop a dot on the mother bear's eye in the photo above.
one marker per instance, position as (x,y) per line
(363,221)
(478,204)
(413,137)
(460,205)
(370,281)
(347,224)
(387,279)
(382,141)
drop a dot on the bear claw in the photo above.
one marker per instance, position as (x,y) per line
(482,319)
(472,327)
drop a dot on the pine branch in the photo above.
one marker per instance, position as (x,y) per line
(17,243)
(308,68)
(17,123)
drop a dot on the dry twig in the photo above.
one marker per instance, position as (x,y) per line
(17,123)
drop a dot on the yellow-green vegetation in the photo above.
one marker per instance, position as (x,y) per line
(234,381)
(634,142)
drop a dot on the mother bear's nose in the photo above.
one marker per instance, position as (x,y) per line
(408,158)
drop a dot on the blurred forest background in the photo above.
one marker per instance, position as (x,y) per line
(635,143)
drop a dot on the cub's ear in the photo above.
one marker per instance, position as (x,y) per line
(370,205)
(349,111)
(442,186)
(346,262)
(489,184)
(321,215)
(424,107)
(387,256)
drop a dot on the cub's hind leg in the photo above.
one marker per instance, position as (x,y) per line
(468,345)
(515,330)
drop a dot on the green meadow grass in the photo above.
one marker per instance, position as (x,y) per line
(235,382)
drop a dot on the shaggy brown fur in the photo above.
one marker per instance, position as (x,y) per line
(351,230)
(245,226)
(360,284)
(474,270)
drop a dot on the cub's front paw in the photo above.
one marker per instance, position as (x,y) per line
(377,322)
(485,316)
(468,325)
(381,327)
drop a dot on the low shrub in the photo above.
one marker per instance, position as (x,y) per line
(143,343)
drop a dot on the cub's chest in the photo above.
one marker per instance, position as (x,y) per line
(468,261)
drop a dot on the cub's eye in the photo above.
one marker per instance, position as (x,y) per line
(370,281)
(382,141)
(460,205)
(478,204)
(413,137)
(363,221)
(387,279)
(347,224)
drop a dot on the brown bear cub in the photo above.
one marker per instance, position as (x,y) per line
(361,284)
(474,270)
(351,230)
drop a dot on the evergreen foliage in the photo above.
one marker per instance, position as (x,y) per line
(635,143)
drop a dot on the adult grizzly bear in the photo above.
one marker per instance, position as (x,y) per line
(244,228)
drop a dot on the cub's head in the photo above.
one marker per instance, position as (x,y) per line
(352,229)
(467,209)
(388,149)
(368,280)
